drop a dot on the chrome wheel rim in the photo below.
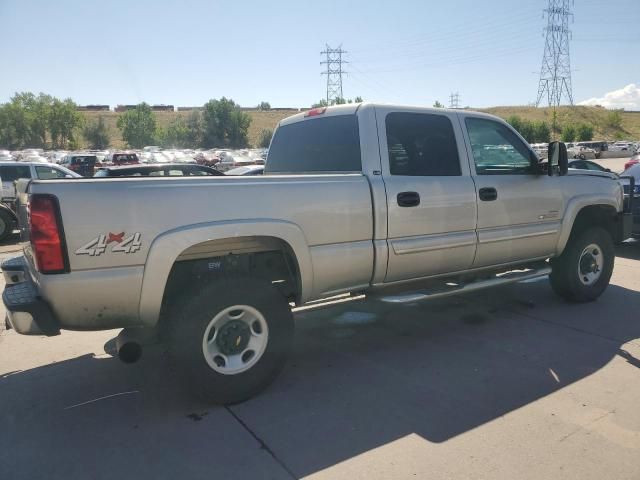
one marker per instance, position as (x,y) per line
(590,264)
(235,339)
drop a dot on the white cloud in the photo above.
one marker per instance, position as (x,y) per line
(627,98)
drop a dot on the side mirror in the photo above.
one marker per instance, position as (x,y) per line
(558,159)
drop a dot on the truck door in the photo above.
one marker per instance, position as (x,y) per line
(519,210)
(431,199)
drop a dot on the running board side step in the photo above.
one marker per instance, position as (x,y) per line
(456,289)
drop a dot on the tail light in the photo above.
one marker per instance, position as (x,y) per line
(46,234)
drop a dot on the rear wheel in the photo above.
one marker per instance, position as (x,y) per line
(584,269)
(6,225)
(231,339)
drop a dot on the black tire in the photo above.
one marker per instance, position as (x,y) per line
(565,275)
(187,323)
(6,225)
(582,156)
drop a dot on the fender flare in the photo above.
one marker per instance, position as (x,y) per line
(572,210)
(165,249)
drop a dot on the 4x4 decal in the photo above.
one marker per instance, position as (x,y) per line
(121,244)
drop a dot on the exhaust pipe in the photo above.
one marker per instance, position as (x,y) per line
(128,345)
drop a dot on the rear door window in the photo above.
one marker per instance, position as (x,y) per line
(421,145)
(10,173)
(316,145)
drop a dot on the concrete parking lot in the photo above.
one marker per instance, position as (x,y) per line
(614,164)
(508,383)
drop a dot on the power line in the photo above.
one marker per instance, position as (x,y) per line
(462,32)
(450,61)
(333,61)
(555,73)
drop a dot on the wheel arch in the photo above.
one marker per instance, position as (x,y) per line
(219,239)
(582,213)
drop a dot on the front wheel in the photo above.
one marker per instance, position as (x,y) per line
(583,271)
(231,338)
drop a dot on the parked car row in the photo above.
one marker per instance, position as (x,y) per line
(87,162)
(589,150)
(10,173)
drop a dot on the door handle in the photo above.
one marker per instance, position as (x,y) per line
(408,199)
(488,194)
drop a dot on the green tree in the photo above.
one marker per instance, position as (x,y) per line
(541,132)
(8,134)
(175,135)
(358,99)
(238,131)
(63,122)
(26,118)
(264,106)
(438,104)
(527,130)
(524,127)
(515,121)
(37,110)
(138,126)
(224,124)
(568,133)
(194,129)
(264,139)
(96,134)
(320,104)
(584,132)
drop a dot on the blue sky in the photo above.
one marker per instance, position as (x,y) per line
(405,51)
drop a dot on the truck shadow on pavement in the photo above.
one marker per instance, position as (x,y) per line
(13,239)
(362,375)
(629,249)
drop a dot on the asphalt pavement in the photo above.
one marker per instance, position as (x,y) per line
(614,164)
(507,383)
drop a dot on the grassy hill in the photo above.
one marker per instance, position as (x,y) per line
(267,120)
(595,116)
(259,121)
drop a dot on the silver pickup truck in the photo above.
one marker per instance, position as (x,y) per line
(402,204)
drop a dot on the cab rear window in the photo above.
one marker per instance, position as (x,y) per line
(317,145)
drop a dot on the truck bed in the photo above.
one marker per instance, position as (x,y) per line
(334,213)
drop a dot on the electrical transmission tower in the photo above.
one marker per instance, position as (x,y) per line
(555,74)
(333,61)
(454,100)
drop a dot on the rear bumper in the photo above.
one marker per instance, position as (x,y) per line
(27,312)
